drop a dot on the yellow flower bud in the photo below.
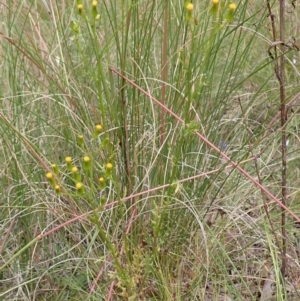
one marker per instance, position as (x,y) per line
(80,7)
(109,166)
(102,182)
(50,178)
(69,163)
(86,163)
(57,189)
(80,141)
(215,7)
(49,175)
(98,129)
(75,173)
(55,169)
(232,6)
(94,9)
(230,14)
(190,7)
(68,159)
(79,187)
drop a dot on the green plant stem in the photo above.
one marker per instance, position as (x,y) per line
(283,134)
(164,72)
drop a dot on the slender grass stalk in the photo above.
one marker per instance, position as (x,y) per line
(281,79)
(164,70)
(279,62)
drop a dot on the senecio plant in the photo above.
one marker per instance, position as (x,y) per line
(85,179)
(94,11)
(216,11)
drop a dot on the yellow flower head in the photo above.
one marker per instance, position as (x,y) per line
(80,141)
(74,169)
(50,178)
(87,163)
(68,159)
(55,169)
(215,7)
(94,3)
(49,175)
(97,130)
(79,186)
(109,166)
(80,6)
(69,163)
(102,182)
(190,7)
(98,127)
(230,14)
(232,6)
(57,189)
